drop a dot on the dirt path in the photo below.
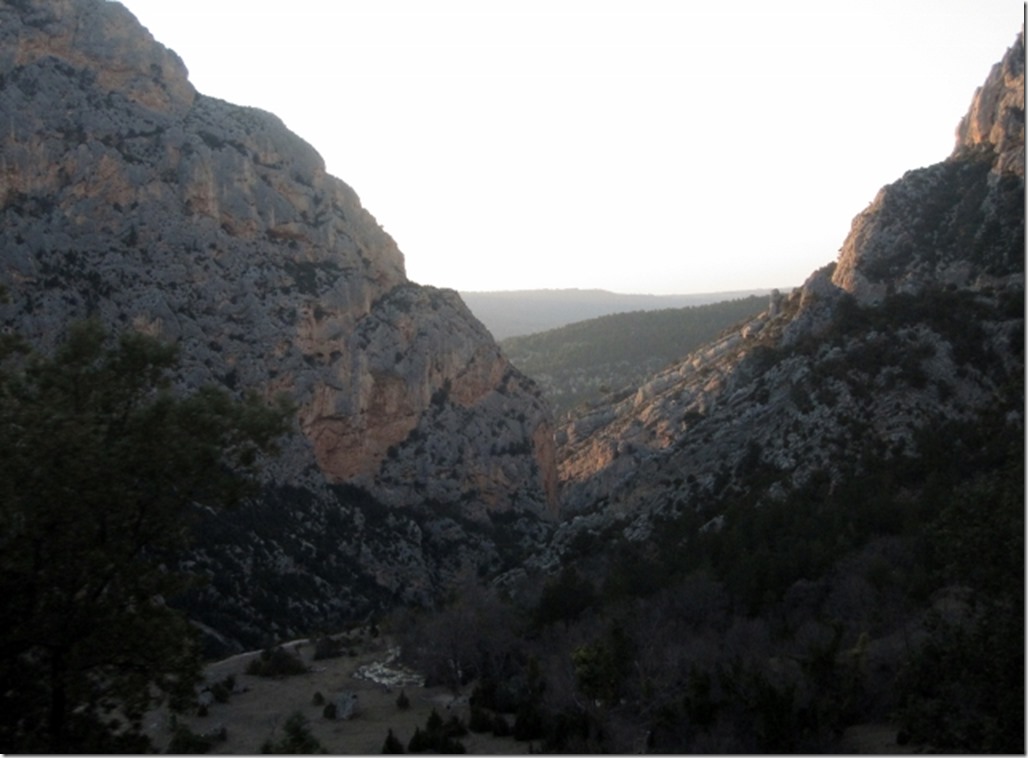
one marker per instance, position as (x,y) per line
(259,707)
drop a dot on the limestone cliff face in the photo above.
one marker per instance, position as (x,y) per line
(996,116)
(938,225)
(920,321)
(126,194)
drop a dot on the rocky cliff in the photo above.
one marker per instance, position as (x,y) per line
(126,194)
(920,321)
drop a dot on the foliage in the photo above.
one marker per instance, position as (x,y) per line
(964,689)
(564,598)
(577,363)
(327,647)
(438,736)
(601,666)
(296,740)
(184,741)
(276,662)
(790,622)
(392,745)
(102,470)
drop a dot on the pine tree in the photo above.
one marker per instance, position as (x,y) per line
(102,467)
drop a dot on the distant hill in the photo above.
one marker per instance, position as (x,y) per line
(584,361)
(517,312)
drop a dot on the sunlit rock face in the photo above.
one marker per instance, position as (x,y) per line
(953,223)
(127,195)
(996,116)
(919,321)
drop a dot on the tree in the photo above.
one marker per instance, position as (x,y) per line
(296,740)
(102,469)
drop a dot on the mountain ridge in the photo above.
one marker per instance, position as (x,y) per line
(514,313)
(577,363)
(955,227)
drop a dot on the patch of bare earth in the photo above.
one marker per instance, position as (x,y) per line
(258,708)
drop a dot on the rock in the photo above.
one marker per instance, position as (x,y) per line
(128,196)
(996,116)
(919,321)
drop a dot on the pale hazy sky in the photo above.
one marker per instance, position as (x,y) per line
(631,145)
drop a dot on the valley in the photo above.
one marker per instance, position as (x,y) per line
(246,459)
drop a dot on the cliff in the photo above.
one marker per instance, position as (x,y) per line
(127,195)
(919,323)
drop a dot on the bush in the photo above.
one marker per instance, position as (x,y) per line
(438,737)
(220,692)
(403,702)
(480,721)
(276,662)
(500,726)
(330,711)
(392,746)
(297,739)
(529,723)
(326,647)
(186,742)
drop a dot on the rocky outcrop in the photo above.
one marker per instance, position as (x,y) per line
(946,224)
(919,322)
(996,117)
(127,195)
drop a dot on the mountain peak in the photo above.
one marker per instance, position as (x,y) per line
(996,115)
(956,222)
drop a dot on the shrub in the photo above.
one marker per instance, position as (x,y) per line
(392,746)
(500,726)
(480,721)
(186,742)
(403,702)
(276,662)
(297,739)
(220,692)
(438,737)
(326,647)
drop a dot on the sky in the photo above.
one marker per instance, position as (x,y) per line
(638,146)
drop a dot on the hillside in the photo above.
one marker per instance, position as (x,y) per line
(806,530)
(131,198)
(815,523)
(581,362)
(519,312)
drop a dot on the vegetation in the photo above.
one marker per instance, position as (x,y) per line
(580,362)
(296,739)
(276,662)
(438,736)
(886,588)
(102,470)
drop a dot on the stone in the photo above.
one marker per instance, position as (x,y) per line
(128,196)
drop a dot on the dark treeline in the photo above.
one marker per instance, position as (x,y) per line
(897,597)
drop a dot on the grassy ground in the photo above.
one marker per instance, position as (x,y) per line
(258,709)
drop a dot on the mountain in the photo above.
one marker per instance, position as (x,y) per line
(580,362)
(514,313)
(810,530)
(128,196)
(920,317)
(810,524)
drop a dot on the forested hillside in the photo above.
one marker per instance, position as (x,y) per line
(515,313)
(582,362)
